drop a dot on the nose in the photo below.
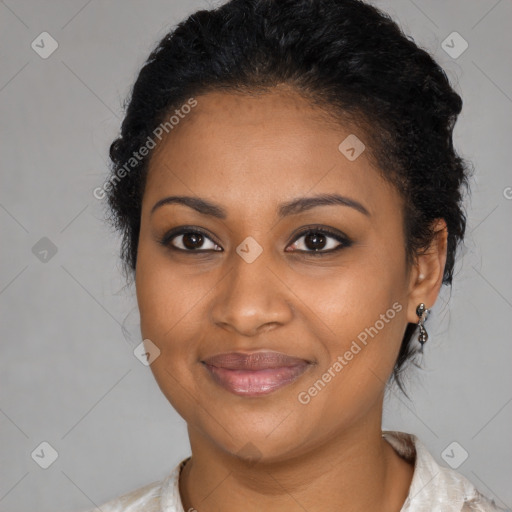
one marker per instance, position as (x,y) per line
(251,299)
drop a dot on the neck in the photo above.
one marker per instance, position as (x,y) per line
(354,470)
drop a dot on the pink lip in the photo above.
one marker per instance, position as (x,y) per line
(255,374)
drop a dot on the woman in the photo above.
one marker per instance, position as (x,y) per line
(291,203)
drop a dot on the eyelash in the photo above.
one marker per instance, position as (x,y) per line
(344,240)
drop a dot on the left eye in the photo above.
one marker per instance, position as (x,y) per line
(319,241)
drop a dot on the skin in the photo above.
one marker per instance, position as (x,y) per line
(248,155)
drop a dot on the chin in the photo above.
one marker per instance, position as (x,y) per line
(253,443)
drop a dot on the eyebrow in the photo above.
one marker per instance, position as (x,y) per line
(292,207)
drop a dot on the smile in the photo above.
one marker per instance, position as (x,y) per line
(255,374)
(255,382)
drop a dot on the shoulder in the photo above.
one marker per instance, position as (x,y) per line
(143,499)
(434,487)
(154,497)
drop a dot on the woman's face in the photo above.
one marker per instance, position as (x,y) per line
(254,283)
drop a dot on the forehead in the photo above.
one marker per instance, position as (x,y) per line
(260,149)
(232,118)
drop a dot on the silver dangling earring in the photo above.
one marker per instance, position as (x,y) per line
(422,313)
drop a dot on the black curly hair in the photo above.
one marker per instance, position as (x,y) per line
(347,58)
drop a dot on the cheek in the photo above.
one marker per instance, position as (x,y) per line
(166,296)
(360,349)
(167,302)
(171,302)
(358,314)
(353,297)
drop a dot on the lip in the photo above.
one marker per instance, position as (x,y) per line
(254,374)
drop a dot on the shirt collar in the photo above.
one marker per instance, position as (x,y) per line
(435,488)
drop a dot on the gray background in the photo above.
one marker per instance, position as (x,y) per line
(68,373)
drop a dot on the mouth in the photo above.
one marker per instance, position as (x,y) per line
(254,374)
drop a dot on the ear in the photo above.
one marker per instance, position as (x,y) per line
(427,272)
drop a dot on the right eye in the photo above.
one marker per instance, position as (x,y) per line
(188,239)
